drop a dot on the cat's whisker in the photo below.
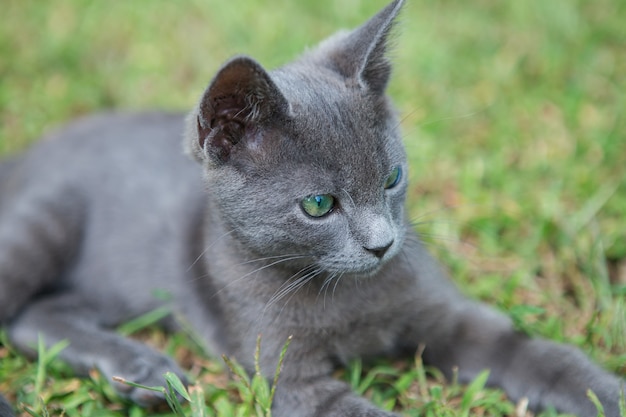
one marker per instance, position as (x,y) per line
(290,284)
(267,258)
(249,109)
(429,121)
(288,257)
(326,285)
(340,275)
(257,270)
(302,282)
(403,119)
(436,236)
(349,196)
(296,286)
(417,223)
(292,287)
(429,213)
(467,115)
(406,117)
(215,241)
(404,253)
(360,283)
(280,260)
(431,237)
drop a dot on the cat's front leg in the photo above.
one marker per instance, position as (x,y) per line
(306,386)
(557,375)
(461,334)
(40,230)
(66,317)
(323,396)
(545,373)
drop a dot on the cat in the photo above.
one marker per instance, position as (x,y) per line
(283,217)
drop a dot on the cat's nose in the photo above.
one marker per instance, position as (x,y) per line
(380,251)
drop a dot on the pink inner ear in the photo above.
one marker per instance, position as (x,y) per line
(224,123)
(241,97)
(225,129)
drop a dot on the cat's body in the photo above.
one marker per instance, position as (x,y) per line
(97,219)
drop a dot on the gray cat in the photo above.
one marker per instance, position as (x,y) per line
(302,232)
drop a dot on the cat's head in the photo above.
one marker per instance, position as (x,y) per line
(305,163)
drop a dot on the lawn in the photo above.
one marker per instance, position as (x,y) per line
(514,116)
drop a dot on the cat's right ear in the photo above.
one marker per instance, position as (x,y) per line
(361,55)
(239,103)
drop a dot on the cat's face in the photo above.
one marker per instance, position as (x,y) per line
(325,186)
(305,164)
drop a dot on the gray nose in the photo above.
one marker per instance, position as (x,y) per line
(380,251)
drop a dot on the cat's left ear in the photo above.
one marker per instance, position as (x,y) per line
(360,55)
(239,103)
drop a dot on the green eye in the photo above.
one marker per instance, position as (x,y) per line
(318,205)
(394,178)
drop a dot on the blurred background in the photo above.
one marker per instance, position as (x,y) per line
(514,116)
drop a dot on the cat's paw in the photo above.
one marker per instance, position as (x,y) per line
(367,413)
(358,407)
(378,413)
(147,370)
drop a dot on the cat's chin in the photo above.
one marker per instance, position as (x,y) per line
(368,273)
(358,268)
(362,271)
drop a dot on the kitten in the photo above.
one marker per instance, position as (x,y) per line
(302,233)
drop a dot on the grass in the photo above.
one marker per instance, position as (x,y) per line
(513,115)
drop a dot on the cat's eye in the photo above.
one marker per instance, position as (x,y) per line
(318,205)
(394,178)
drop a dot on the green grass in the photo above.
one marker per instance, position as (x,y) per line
(514,120)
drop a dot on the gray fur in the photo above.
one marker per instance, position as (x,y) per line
(97,217)
(5,408)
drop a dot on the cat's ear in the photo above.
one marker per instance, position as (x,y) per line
(360,55)
(240,101)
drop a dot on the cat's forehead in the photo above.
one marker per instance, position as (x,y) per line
(335,118)
(337,139)
(310,87)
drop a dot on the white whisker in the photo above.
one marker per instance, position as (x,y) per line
(281,260)
(293,282)
(301,282)
(207,249)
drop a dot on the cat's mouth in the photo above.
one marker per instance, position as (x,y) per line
(357,269)
(364,263)
(369,272)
